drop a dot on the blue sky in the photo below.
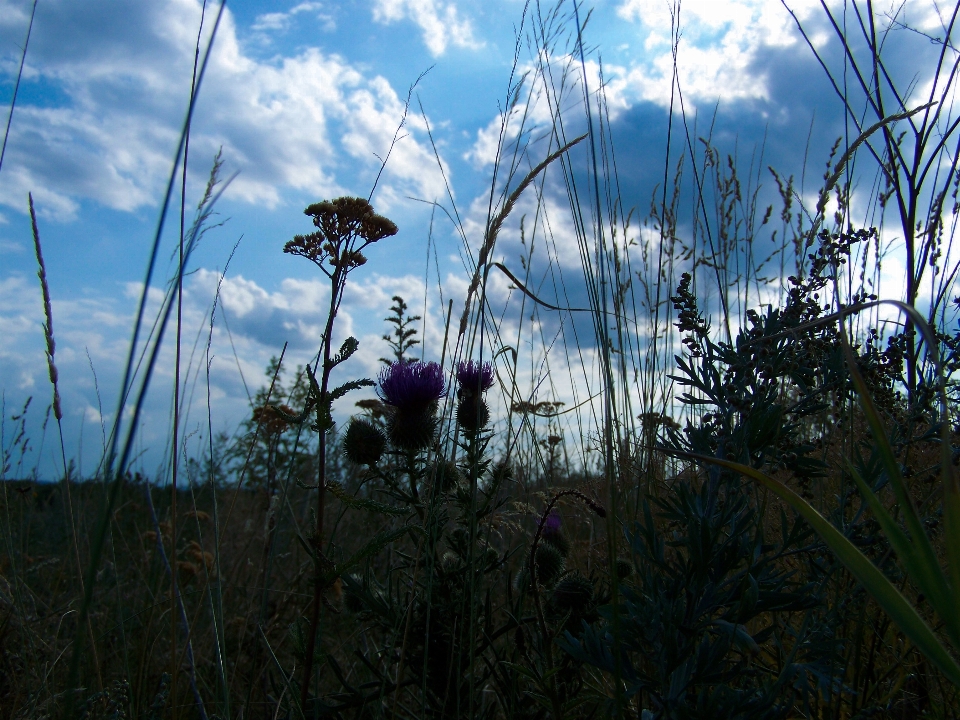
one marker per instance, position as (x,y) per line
(303,97)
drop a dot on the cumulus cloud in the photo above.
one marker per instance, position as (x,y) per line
(281,21)
(719,43)
(440,24)
(120,83)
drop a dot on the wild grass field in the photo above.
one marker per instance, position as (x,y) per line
(751,511)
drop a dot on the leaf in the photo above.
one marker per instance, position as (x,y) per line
(338,491)
(876,583)
(291,684)
(920,559)
(372,548)
(348,348)
(342,390)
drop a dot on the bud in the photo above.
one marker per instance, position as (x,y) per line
(412,431)
(573,594)
(553,535)
(550,564)
(363,442)
(472,413)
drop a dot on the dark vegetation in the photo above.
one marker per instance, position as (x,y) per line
(462,548)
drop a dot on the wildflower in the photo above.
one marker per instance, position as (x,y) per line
(551,533)
(474,379)
(340,224)
(412,389)
(363,443)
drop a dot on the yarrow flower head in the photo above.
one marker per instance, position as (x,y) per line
(412,387)
(474,376)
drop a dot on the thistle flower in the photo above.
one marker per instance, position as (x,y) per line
(412,387)
(552,534)
(474,379)
(363,443)
(412,390)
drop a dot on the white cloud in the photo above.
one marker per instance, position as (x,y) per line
(121,83)
(281,21)
(440,23)
(718,46)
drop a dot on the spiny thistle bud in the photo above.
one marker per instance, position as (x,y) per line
(363,443)
(472,413)
(549,564)
(573,594)
(412,389)
(446,475)
(553,535)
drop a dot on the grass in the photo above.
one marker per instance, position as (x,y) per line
(745,507)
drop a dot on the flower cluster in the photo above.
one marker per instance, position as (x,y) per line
(341,224)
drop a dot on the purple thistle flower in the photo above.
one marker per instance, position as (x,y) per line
(474,376)
(412,387)
(552,523)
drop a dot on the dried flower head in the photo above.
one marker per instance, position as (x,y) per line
(271,421)
(341,223)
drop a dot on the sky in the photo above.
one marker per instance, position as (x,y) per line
(304,100)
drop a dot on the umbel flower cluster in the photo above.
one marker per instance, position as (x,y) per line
(345,226)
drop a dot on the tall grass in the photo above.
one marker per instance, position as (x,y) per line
(547,517)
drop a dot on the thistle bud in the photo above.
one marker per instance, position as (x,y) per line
(573,594)
(363,443)
(549,564)
(472,413)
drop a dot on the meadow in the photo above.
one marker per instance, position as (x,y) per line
(752,510)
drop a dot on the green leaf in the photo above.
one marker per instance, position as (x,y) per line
(876,583)
(920,560)
(348,348)
(372,548)
(338,491)
(339,392)
(292,689)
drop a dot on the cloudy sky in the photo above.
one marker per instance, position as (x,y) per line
(304,100)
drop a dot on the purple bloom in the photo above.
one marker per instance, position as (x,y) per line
(552,523)
(474,376)
(412,387)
